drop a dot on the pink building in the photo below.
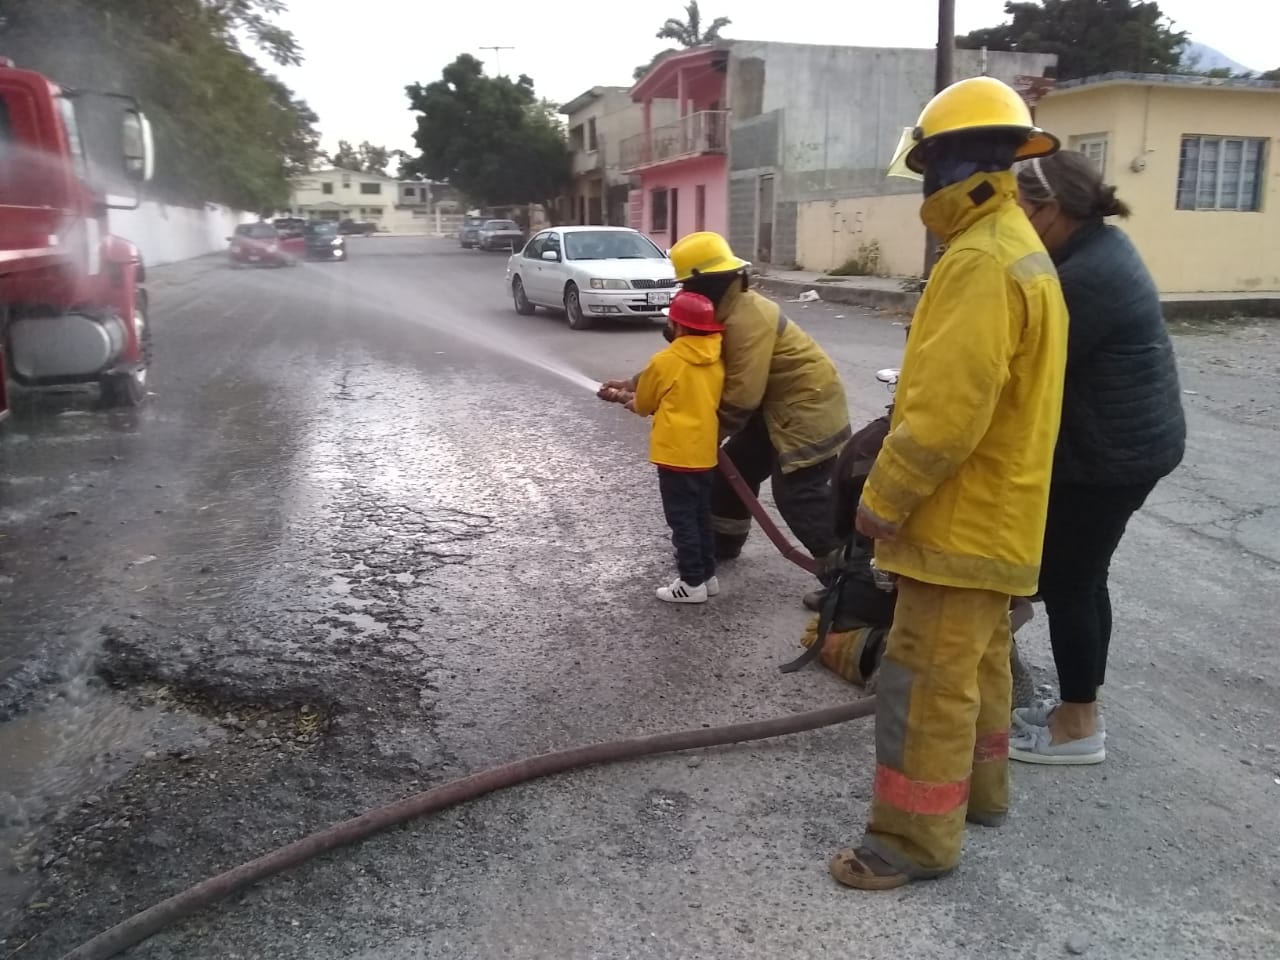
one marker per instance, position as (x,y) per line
(681,167)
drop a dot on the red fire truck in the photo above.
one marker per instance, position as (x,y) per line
(73,302)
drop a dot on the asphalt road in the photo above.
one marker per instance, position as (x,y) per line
(360,542)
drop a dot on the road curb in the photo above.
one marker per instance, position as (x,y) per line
(889,301)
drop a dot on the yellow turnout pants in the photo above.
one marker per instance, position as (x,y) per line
(942,725)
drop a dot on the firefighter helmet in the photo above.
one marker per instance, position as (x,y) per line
(704,252)
(972,106)
(694,311)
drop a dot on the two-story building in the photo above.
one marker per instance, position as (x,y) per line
(599,121)
(766,132)
(336,194)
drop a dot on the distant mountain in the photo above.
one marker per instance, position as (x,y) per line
(1202,58)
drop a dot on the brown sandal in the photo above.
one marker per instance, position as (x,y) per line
(862,869)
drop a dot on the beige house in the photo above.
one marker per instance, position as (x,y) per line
(336,194)
(1193,157)
(598,121)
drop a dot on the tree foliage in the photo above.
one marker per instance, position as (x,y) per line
(490,137)
(226,129)
(366,158)
(687,32)
(1090,37)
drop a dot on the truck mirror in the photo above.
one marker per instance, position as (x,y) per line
(139,149)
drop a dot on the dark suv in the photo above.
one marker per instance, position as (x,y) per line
(324,242)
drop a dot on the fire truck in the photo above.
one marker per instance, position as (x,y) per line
(73,301)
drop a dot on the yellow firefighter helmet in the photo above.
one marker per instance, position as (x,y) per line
(704,252)
(970,106)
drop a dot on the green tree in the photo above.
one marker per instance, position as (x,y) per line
(1272,75)
(687,32)
(490,137)
(226,129)
(1090,37)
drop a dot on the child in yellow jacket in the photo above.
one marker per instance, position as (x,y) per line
(681,389)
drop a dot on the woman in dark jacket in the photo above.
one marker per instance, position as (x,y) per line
(1122,431)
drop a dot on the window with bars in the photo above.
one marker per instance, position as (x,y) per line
(1095,149)
(1221,173)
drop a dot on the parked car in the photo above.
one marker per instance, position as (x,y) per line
(500,235)
(261,243)
(591,273)
(324,242)
(357,228)
(469,232)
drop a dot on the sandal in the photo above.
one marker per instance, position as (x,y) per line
(863,869)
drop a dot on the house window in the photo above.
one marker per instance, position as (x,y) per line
(346,183)
(1220,173)
(700,208)
(410,193)
(657,211)
(370,189)
(326,188)
(576,138)
(591,134)
(1095,149)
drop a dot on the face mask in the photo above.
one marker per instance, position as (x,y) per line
(953,159)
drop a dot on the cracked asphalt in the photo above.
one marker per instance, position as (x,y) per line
(365,539)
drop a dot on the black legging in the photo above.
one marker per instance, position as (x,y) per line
(804,497)
(1084,527)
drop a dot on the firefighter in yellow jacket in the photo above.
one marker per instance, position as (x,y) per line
(958,495)
(783,409)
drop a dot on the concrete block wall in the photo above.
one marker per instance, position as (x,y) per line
(167,233)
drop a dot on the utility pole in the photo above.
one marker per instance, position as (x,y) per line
(942,74)
(497,56)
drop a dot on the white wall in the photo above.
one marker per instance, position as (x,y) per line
(167,233)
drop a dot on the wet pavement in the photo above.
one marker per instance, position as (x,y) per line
(365,538)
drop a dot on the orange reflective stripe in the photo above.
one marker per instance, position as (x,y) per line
(991,747)
(919,796)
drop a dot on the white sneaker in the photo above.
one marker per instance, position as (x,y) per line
(713,586)
(681,592)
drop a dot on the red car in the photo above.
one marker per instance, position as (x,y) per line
(261,243)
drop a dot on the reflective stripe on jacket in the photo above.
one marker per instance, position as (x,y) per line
(965,469)
(681,389)
(773,366)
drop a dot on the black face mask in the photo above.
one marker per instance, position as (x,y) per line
(955,158)
(713,286)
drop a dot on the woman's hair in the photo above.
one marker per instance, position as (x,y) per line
(1070,178)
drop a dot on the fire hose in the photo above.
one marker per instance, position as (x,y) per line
(142,925)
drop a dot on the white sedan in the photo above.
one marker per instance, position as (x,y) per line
(591,273)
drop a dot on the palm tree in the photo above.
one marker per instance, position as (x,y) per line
(689,32)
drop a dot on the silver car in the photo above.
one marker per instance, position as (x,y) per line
(500,235)
(592,273)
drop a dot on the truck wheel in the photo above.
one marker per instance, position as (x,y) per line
(130,389)
(573,309)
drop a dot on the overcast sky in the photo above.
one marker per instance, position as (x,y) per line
(360,55)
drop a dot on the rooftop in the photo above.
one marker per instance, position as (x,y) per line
(589,97)
(1166,80)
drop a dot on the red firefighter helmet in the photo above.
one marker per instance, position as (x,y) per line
(694,311)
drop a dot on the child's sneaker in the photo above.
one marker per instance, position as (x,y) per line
(681,592)
(713,586)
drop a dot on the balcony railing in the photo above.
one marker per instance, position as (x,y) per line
(585,161)
(690,136)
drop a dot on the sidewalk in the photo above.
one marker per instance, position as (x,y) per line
(886,293)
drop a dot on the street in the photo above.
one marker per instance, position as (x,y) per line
(369,535)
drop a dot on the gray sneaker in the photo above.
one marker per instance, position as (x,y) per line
(1039,714)
(1036,746)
